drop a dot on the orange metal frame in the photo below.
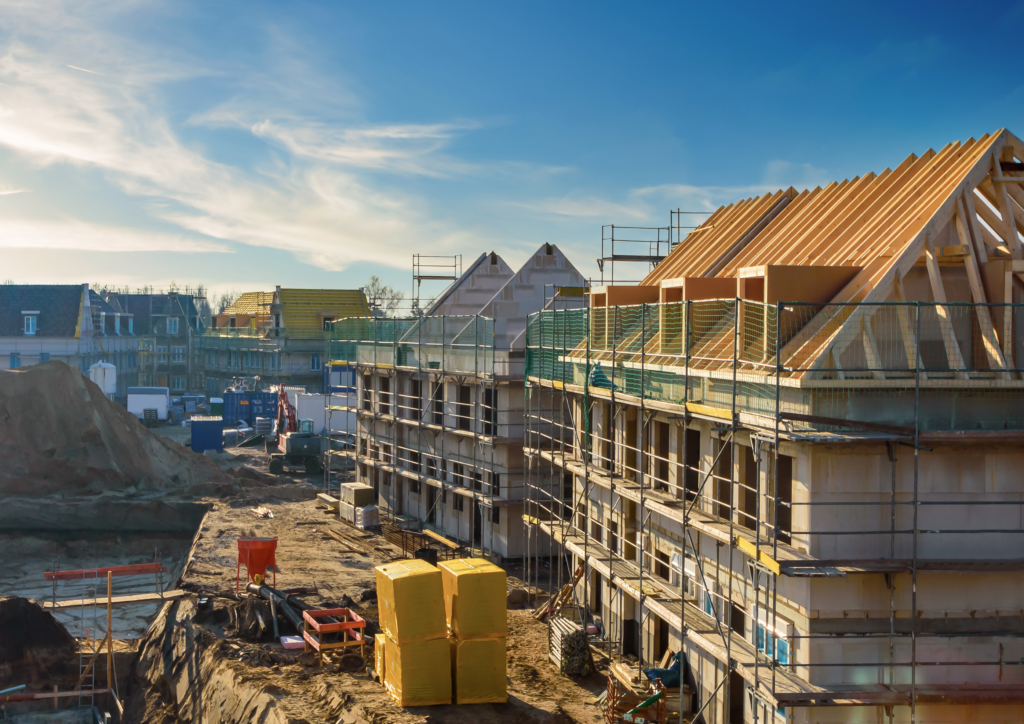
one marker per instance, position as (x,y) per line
(351,625)
(137,569)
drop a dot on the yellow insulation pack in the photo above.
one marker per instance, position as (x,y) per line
(474,598)
(419,673)
(478,671)
(410,601)
(379,642)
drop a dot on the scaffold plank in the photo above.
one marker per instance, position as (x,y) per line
(126,600)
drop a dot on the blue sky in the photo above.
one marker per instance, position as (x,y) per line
(247,145)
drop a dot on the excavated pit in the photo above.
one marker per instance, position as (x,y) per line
(91,534)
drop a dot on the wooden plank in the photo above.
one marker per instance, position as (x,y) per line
(953,356)
(127,600)
(330,502)
(1006,211)
(441,539)
(348,546)
(870,351)
(760,556)
(907,331)
(988,332)
(967,199)
(708,411)
(624,674)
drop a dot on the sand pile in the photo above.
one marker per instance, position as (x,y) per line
(35,649)
(58,433)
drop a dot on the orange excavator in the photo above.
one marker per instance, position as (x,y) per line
(297,444)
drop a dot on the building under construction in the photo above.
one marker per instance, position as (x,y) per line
(439,400)
(277,336)
(793,450)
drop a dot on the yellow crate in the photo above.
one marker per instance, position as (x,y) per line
(478,671)
(475,594)
(419,673)
(410,601)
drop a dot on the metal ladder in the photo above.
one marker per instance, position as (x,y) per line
(88,678)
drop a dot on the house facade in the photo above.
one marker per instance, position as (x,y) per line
(439,401)
(168,325)
(277,335)
(70,323)
(792,452)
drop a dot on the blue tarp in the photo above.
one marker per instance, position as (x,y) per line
(669,677)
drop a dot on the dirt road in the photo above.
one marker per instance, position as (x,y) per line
(537,693)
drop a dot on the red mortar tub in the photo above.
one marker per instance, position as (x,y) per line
(256,554)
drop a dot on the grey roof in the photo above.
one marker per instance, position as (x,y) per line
(148,391)
(471,291)
(97,302)
(58,306)
(143,307)
(526,292)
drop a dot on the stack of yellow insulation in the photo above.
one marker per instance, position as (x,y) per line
(379,644)
(474,604)
(410,601)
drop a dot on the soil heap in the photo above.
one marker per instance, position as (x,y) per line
(35,648)
(59,433)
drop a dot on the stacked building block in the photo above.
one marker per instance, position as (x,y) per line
(474,605)
(417,658)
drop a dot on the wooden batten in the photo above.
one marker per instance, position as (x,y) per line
(697,288)
(619,296)
(785,283)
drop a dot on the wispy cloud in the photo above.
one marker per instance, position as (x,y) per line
(781,174)
(405,148)
(316,200)
(13,191)
(587,207)
(688,197)
(96,238)
(84,70)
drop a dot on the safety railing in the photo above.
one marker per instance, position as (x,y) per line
(829,365)
(462,344)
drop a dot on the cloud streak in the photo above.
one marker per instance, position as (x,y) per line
(82,236)
(315,201)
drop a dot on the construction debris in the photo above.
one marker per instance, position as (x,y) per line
(559,599)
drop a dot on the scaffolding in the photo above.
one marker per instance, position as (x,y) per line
(432,268)
(655,243)
(424,402)
(610,388)
(239,351)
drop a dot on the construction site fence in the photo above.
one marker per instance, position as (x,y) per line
(818,367)
(460,344)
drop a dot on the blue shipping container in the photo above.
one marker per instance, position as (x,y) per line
(207,433)
(247,406)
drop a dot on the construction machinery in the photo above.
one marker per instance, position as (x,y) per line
(296,444)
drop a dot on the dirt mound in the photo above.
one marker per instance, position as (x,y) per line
(58,433)
(35,648)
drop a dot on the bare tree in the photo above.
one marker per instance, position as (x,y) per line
(226,299)
(383,297)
